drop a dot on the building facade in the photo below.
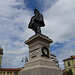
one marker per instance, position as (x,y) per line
(70,64)
(9,71)
(53,58)
(1,54)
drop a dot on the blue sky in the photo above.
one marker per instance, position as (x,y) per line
(59,17)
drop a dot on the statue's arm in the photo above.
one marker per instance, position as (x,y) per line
(39,18)
(31,22)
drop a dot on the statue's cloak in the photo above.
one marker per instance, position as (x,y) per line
(36,21)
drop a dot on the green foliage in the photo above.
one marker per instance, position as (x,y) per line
(68,73)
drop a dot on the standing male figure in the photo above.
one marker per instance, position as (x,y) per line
(36,22)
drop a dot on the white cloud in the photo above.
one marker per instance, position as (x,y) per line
(13,61)
(46,3)
(65,51)
(60,26)
(14,19)
(59,20)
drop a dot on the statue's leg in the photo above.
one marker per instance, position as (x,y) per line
(38,29)
(35,30)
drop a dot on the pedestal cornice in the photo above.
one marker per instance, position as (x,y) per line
(39,36)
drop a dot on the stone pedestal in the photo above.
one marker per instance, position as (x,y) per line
(39,57)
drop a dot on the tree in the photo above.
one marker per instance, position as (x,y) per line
(68,73)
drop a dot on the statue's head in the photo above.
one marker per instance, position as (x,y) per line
(36,11)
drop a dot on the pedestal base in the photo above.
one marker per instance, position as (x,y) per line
(40,67)
(39,57)
(40,70)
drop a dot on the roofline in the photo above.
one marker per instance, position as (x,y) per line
(11,69)
(69,59)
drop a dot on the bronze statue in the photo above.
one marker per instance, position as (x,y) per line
(36,22)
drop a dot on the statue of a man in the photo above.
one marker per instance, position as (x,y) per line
(36,22)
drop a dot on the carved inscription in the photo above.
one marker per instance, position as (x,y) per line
(34,52)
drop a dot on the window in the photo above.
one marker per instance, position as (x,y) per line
(14,72)
(3,72)
(17,72)
(0,72)
(70,70)
(10,72)
(7,72)
(68,63)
